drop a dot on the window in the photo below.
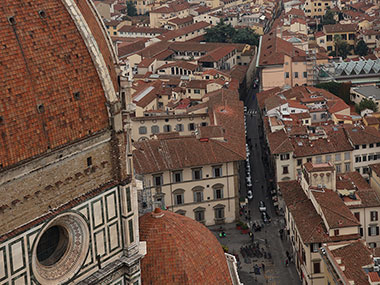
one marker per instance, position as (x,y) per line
(177,176)
(358,158)
(374,216)
(357,216)
(218,193)
(329,48)
(328,157)
(336,232)
(296,74)
(199,214)
(285,170)
(299,162)
(179,196)
(372,244)
(318,159)
(191,127)
(155,129)
(285,156)
(316,267)
(364,157)
(179,127)
(377,144)
(204,124)
(346,156)
(167,128)
(129,201)
(197,91)
(373,231)
(356,146)
(217,171)
(197,173)
(157,180)
(304,74)
(142,130)
(337,157)
(371,145)
(130,227)
(364,146)
(219,212)
(338,168)
(365,170)
(89,161)
(371,157)
(347,167)
(329,38)
(286,74)
(198,196)
(308,159)
(315,247)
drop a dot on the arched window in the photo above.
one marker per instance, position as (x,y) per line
(198,194)
(179,197)
(218,191)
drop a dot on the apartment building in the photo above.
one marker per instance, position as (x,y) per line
(203,187)
(323,209)
(369,92)
(158,17)
(347,32)
(197,175)
(185,124)
(317,8)
(366,143)
(349,263)
(288,154)
(280,63)
(311,220)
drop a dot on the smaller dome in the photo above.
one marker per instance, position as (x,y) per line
(180,251)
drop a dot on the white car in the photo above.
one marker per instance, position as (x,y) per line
(249,195)
(262,207)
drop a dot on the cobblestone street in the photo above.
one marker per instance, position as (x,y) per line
(275,270)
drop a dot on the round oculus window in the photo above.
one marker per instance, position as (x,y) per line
(60,249)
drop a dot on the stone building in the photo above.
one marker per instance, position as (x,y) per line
(68,208)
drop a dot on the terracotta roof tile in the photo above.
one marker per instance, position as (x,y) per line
(180,251)
(43,63)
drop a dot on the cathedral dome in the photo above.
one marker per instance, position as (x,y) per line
(180,251)
(57,72)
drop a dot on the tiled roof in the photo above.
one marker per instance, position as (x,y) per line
(181,21)
(354,257)
(39,76)
(180,63)
(217,54)
(315,167)
(197,83)
(174,6)
(335,142)
(180,251)
(152,156)
(279,142)
(336,213)
(273,50)
(180,32)
(362,135)
(309,224)
(145,30)
(339,28)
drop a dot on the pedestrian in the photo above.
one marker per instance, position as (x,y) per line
(286,262)
(263,267)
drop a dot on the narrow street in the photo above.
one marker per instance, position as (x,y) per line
(280,274)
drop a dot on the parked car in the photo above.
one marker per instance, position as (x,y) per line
(249,195)
(262,206)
